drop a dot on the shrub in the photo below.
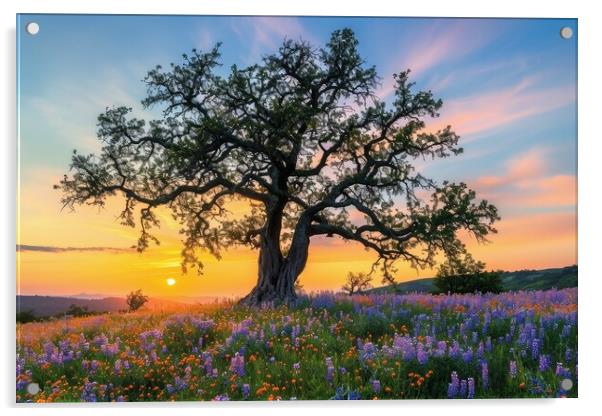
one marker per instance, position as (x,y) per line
(136,300)
(465,275)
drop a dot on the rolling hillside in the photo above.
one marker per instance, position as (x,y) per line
(518,280)
(43,306)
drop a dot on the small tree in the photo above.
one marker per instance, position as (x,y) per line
(357,283)
(76,310)
(24,317)
(466,275)
(136,300)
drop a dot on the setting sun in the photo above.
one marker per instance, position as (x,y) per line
(171,281)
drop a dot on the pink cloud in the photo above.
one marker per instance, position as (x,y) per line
(433,47)
(559,190)
(471,115)
(523,168)
(527,183)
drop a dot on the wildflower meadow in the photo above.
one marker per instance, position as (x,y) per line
(325,346)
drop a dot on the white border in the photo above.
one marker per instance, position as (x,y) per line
(590,152)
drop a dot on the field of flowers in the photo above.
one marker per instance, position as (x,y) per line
(517,344)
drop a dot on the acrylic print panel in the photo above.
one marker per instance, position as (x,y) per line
(347,208)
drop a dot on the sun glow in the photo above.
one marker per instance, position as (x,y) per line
(171,281)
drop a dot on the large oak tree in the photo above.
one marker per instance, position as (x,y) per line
(300,136)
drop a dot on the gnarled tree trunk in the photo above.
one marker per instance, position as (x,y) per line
(277,274)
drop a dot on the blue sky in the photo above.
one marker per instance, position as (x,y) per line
(79,64)
(508,87)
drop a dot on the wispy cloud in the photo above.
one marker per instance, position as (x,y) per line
(434,46)
(527,182)
(53,249)
(482,112)
(262,34)
(205,39)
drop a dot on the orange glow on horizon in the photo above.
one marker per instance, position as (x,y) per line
(530,241)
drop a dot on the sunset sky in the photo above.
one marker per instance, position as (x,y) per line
(508,87)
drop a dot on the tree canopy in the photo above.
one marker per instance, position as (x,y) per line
(301,137)
(357,283)
(466,275)
(135,300)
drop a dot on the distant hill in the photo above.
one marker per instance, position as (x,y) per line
(43,306)
(559,278)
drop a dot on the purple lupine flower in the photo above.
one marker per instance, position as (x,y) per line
(49,349)
(485,374)
(296,331)
(237,364)
(297,367)
(110,350)
(180,383)
(88,393)
(535,348)
(207,362)
(343,371)
(512,369)
(354,395)
(480,350)
(463,388)
(441,349)
(368,351)
(454,351)
(421,355)
(559,369)
(467,355)
(453,388)
(544,362)
(376,386)
(246,390)
(450,391)
(470,388)
(222,398)
(100,340)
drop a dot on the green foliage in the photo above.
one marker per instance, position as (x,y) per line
(465,275)
(544,279)
(25,316)
(76,310)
